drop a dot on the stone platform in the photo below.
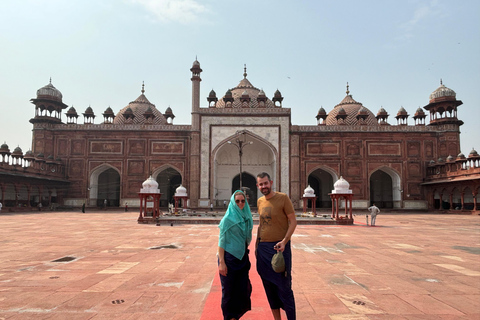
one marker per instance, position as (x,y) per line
(104,265)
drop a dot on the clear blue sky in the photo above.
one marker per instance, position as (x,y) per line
(392,53)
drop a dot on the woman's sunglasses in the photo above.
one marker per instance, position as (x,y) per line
(238,201)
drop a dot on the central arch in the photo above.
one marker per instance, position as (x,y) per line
(259,156)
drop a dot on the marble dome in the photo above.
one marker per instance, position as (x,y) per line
(246,90)
(442,92)
(49,92)
(351,109)
(139,107)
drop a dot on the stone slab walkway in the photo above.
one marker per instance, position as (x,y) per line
(103,265)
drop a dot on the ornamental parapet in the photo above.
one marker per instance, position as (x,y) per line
(449,172)
(114,127)
(392,128)
(242,111)
(32,169)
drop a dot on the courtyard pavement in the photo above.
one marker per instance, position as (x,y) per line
(103,265)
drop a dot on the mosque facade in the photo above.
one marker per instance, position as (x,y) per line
(238,135)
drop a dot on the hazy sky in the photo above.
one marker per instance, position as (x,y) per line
(392,53)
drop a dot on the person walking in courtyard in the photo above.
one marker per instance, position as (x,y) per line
(126,206)
(277,224)
(233,261)
(1,205)
(373,211)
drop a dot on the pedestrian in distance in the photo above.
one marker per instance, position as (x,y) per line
(276,226)
(373,211)
(233,261)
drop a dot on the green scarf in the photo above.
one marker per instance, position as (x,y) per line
(236,228)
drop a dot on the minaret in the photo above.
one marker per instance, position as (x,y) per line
(442,107)
(48,105)
(196,70)
(48,110)
(194,186)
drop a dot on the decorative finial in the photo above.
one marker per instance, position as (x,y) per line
(143,87)
(347,89)
(245,71)
(50,80)
(441,82)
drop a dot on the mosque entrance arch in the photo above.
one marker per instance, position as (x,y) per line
(321,181)
(258,156)
(385,189)
(249,187)
(105,185)
(168,179)
(9,196)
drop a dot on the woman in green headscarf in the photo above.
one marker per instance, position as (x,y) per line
(233,262)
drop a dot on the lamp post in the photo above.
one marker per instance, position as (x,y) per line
(240,142)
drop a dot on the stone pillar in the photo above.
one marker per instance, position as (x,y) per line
(295,175)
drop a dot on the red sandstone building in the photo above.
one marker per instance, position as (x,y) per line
(90,157)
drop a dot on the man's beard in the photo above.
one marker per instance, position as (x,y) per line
(265,191)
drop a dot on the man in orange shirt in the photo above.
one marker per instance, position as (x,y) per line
(277,224)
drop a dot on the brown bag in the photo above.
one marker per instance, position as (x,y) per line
(278,262)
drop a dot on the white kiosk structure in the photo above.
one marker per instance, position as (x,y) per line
(149,201)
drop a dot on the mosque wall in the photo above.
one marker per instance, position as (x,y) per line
(355,156)
(133,154)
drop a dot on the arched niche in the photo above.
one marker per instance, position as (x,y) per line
(385,188)
(168,179)
(257,156)
(105,185)
(321,180)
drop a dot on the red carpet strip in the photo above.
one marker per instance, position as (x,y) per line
(260,307)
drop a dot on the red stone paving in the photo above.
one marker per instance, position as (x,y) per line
(410,266)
